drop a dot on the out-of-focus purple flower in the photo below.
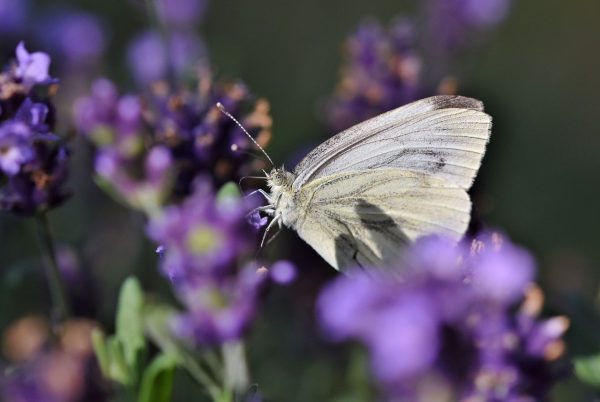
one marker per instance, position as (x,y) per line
(382,71)
(60,374)
(204,242)
(450,316)
(181,12)
(201,237)
(283,272)
(503,276)
(454,22)
(13,14)
(32,68)
(77,36)
(144,47)
(182,52)
(219,309)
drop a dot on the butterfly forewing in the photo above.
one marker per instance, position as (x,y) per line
(443,136)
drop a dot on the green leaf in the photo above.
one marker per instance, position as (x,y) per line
(157,317)
(101,350)
(587,369)
(109,353)
(118,370)
(130,323)
(157,382)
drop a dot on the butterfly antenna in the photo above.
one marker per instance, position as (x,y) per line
(226,113)
(249,177)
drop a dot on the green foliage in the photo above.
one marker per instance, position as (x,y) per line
(157,382)
(587,369)
(123,357)
(130,324)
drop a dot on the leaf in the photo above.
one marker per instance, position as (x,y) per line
(157,317)
(101,351)
(130,323)
(118,369)
(157,381)
(109,353)
(587,369)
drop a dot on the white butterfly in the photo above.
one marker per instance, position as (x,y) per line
(360,196)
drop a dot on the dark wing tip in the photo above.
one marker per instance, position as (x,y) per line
(455,101)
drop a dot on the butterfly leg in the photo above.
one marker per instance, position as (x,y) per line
(275,220)
(268,209)
(263,193)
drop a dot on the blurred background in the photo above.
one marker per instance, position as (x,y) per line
(536,71)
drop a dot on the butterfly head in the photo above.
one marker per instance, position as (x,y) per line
(280,178)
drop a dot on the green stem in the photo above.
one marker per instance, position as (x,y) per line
(236,368)
(203,378)
(60,305)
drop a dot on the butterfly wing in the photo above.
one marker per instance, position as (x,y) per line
(441,136)
(365,217)
(391,179)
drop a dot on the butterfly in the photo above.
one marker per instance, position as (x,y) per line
(361,196)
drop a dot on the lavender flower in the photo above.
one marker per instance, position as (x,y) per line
(453,22)
(32,68)
(180,53)
(450,321)
(202,238)
(219,309)
(204,241)
(13,14)
(33,161)
(382,72)
(78,37)
(52,374)
(151,149)
(181,12)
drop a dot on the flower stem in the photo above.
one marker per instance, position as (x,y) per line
(236,368)
(202,378)
(60,305)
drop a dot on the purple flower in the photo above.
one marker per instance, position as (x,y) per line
(16,146)
(219,310)
(182,52)
(13,14)
(283,272)
(77,36)
(382,71)
(201,237)
(256,220)
(454,22)
(55,373)
(200,141)
(32,68)
(181,12)
(449,314)
(33,160)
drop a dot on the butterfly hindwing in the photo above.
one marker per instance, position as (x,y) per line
(365,217)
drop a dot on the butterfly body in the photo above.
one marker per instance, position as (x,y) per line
(362,195)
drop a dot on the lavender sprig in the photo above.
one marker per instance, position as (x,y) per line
(445,323)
